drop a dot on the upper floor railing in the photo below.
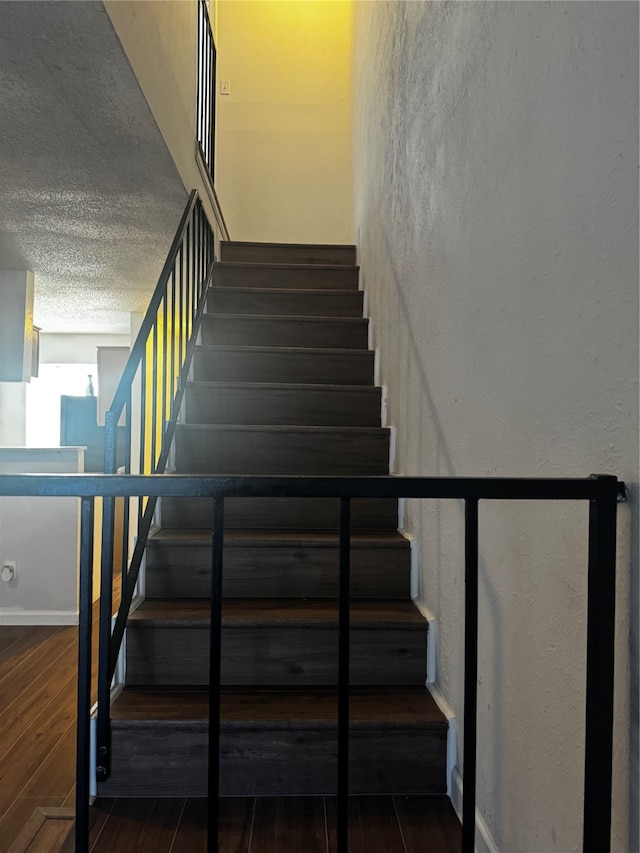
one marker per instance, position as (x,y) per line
(206,89)
(602,494)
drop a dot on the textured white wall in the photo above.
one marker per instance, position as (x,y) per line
(42,536)
(496,201)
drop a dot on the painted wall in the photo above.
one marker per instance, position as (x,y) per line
(76,349)
(284,144)
(13,408)
(159,38)
(496,202)
(42,536)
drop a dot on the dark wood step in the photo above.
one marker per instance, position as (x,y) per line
(324,366)
(232,449)
(283,303)
(287,331)
(282,403)
(280,513)
(267,642)
(287,253)
(297,276)
(277,564)
(275,742)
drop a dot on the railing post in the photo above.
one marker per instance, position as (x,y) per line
(84,676)
(342,823)
(215,643)
(601,593)
(470,676)
(106,598)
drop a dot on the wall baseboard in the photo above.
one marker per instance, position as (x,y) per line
(38,617)
(484,839)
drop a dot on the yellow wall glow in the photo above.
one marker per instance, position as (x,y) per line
(284,131)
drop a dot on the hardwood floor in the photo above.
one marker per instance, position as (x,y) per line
(384,824)
(37,720)
(37,767)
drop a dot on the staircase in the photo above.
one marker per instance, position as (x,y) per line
(282,384)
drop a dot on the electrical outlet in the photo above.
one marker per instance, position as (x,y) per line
(9,570)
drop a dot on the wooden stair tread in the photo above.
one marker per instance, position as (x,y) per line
(348,295)
(288,709)
(249,265)
(273,613)
(324,351)
(289,318)
(278,245)
(285,386)
(284,428)
(268,538)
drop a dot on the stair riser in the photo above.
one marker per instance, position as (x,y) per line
(284,332)
(299,406)
(170,761)
(225,451)
(309,278)
(279,513)
(353,368)
(294,303)
(294,656)
(293,572)
(277,253)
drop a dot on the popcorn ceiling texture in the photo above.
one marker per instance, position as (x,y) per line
(90,195)
(496,201)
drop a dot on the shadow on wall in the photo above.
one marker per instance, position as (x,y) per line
(444,458)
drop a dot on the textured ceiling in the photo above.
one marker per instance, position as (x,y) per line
(89,195)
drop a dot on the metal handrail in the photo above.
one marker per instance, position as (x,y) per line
(159,361)
(602,493)
(206,90)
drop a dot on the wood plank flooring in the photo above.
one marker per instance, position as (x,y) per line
(385,824)
(37,767)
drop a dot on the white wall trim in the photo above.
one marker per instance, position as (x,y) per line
(401,516)
(392,450)
(452,733)
(376,358)
(484,839)
(38,617)
(414,571)
(384,406)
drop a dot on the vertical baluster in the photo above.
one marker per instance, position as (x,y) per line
(126,500)
(601,602)
(343,676)
(200,52)
(143,421)
(84,676)
(174,343)
(165,361)
(154,395)
(106,598)
(194,253)
(470,675)
(187,281)
(215,639)
(181,310)
(212,104)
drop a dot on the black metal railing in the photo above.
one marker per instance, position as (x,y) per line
(206,89)
(150,390)
(601,492)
